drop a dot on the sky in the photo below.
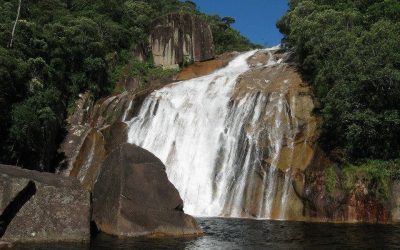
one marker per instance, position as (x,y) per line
(255,19)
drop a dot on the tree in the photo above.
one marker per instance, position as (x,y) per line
(15,24)
(228,20)
(350,52)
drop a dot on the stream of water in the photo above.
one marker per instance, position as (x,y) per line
(209,141)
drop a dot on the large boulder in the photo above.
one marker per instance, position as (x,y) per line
(42,207)
(133,197)
(176,39)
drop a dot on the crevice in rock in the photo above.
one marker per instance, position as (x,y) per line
(15,205)
(179,208)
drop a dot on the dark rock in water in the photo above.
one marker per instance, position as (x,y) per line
(42,207)
(133,197)
(179,38)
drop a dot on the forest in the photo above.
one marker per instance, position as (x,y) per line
(350,52)
(53,50)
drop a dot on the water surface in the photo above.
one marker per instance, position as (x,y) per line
(255,234)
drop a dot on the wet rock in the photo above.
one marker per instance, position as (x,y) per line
(94,150)
(90,122)
(133,197)
(42,207)
(279,84)
(91,155)
(78,128)
(340,205)
(114,135)
(176,39)
(198,69)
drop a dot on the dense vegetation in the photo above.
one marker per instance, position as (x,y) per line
(350,51)
(62,48)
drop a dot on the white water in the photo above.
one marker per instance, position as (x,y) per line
(210,142)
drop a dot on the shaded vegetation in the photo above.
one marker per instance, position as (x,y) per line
(375,175)
(63,48)
(350,51)
(331,179)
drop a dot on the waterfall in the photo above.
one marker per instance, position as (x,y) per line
(215,146)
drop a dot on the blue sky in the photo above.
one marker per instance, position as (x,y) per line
(255,19)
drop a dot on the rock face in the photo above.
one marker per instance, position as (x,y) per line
(176,39)
(89,159)
(356,206)
(396,202)
(95,129)
(133,197)
(290,104)
(279,113)
(42,207)
(198,69)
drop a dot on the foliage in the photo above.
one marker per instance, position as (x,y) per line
(145,71)
(226,38)
(331,179)
(350,52)
(375,175)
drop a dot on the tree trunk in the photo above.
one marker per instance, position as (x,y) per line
(15,24)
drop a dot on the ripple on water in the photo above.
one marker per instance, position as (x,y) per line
(254,234)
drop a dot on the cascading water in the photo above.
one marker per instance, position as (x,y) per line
(213,144)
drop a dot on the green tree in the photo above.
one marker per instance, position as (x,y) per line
(350,52)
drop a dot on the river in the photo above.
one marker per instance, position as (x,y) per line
(254,234)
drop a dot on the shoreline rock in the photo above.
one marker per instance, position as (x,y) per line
(42,207)
(133,197)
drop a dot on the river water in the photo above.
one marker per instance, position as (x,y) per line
(254,234)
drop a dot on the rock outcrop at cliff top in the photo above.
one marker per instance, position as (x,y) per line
(179,38)
(42,207)
(133,197)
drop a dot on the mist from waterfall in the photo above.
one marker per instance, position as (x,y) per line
(209,142)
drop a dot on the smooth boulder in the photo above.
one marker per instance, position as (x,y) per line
(42,207)
(133,197)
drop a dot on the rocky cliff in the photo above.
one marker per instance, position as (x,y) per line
(275,168)
(176,39)
(132,195)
